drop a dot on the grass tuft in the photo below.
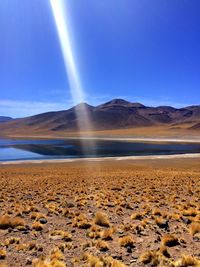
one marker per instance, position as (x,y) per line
(101,219)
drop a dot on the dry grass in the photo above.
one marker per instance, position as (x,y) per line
(129,214)
(102,245)
(101,219)
(170,240)
(3,254)
(195,228)
(126,241)
(94,261)
(37,226)
(55,259)
(60,235)
(186,261)
(146,257)
(6,221)
(107,234)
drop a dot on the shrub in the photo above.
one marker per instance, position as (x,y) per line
(195,228)
(164,252)
(146,257)
(190,212)
(170,240)
(101,219)
(37,226)
(136,216)
(102,245)
(6,222)
(2,254)
(186,261)
(61,235)
(126,241)
(106,234)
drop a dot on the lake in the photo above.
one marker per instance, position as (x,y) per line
(13,149)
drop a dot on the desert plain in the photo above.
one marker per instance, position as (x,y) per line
(101,213)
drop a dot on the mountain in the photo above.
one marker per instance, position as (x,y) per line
(4,119)
(195,126)
(115,114)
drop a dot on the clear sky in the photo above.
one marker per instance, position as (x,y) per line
(140,50)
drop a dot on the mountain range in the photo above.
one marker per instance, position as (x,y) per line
(4,119)
(115,114)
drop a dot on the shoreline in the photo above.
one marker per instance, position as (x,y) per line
(148,157)
(139,139)
(132,139)
(114,158)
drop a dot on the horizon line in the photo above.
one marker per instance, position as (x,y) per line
(40,107)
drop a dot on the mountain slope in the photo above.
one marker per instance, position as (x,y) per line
(4,119)
(115,114)
(196,126)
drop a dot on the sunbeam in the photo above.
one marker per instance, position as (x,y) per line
(62,24)
(82,113)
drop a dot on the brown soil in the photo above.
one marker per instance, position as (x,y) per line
(168,132)
(108,213)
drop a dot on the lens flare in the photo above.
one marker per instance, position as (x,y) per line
(82,111)
(62,25)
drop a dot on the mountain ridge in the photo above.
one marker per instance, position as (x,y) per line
(114,114)
(4,119)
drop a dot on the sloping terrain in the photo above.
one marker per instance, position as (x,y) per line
(4,119)
(196,126)
(115,114)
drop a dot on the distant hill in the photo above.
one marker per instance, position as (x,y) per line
(4,119)
(115,114)
(195,126)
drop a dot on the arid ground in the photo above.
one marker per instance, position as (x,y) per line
(106,213)
(159,132)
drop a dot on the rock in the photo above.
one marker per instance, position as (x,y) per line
(70,205)
(111,205)
(186,220)
(40,249)
(196,238)
(28,261)
(129,249)
(34,254)
(133,260)
(25,232)
(134,257)
(28,197)
(117,257)
(43,220)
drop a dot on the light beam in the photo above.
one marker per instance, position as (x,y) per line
(63,29)
(62,25)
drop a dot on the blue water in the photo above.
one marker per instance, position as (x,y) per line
(13,149)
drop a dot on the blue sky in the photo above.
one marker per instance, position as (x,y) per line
(140,50)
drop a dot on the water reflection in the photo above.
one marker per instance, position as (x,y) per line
(37,149)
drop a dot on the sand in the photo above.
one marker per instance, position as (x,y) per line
(103,159)
(169,132)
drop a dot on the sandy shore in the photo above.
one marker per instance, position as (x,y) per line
(185,139)
(140,139)
(101,159)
